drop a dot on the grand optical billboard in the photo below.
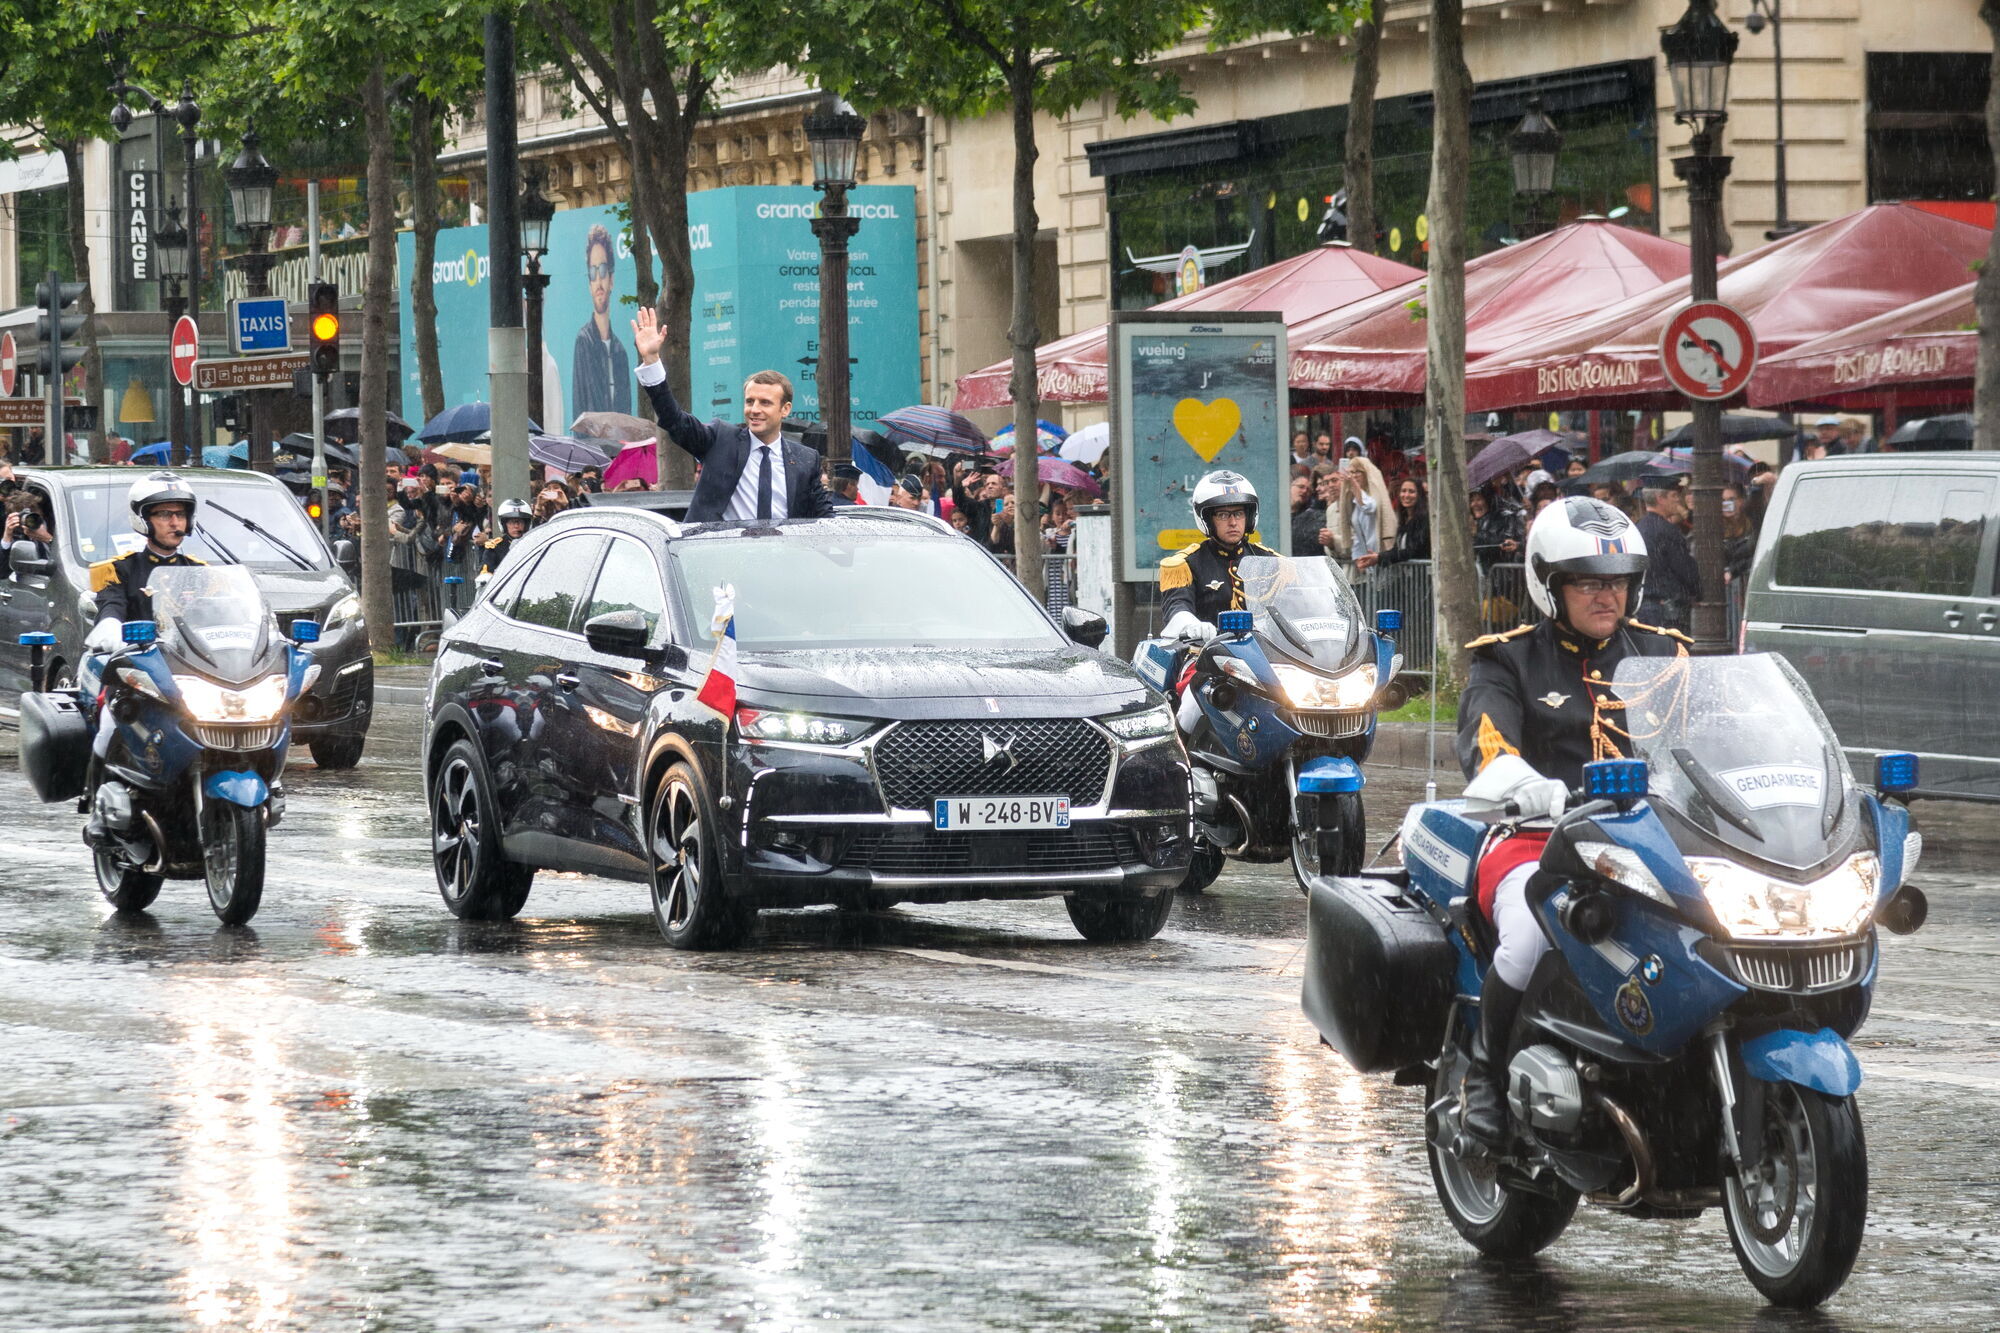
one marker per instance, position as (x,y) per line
(756,304)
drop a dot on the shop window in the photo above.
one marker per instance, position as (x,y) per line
(1927,126)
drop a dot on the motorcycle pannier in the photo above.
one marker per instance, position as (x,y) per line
(55,745)
(1378,973)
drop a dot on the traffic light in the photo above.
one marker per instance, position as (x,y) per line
(323,316)
(56,325)
(1333,222)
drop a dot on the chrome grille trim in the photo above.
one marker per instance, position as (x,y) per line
(1799,971)
(919,762)
(1328,726)
(1097,846)
(224,737)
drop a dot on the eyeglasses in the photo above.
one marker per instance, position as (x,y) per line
(599,272)
(1596,587)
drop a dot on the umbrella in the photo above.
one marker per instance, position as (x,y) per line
(619,426)
(345,422)
(1955,430)
(1048,437)
(161,451)
(473,455)
(1685,454)
(226,455)
(1058,473)
(932,425)
(464,423)
(634,460)
(300,443)
(1737,428)
(1631,466)
(563,453)
(1509,453)
(1086,446)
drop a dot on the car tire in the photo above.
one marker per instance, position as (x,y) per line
(691,903)
(474,878)
(1120,920)
(338,749)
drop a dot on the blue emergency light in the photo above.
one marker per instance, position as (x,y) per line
(1388,620)
(305,631)
(453,578)
(1234,622)
(1895,771)
(141,633)
(38,639)
(1615,780)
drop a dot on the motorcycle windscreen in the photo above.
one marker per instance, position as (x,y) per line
(1738,747)
(214,618)
(1305,605)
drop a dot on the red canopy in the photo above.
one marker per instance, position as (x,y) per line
(1072,369)
(1919,356)
(1802,287)
(1372,353)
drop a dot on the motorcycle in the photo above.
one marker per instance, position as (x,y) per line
(1287,693)
(1712,906)
(188,778)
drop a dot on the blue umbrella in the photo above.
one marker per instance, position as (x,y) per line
(1048,436)
(219,455)
(161,451)
(462,424)
(932,425)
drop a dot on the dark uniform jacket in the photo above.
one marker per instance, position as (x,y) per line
(1202,578)
(1672,582)
(120,585)
(493,551)
(1544,693)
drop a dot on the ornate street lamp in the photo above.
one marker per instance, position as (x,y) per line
(251,182)
(1534,145)
(170,238)
(536,209)
(833,133)
(1699,50)
(1756,23)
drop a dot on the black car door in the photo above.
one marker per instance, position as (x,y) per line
(540,648)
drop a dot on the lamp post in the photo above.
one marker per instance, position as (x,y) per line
(185,113)
(833,132)
(170,238)
(1756,22)
(536,209)
(251,180)
(1699,49)
(1534,145)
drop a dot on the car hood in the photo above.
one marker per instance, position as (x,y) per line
(299,591)
(942,682)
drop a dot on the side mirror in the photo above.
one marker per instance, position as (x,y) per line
(619,633)
(21,559)
(345,552)
(1084,628)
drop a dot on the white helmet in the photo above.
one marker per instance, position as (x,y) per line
(1220,490)
(1579,537)
(155,489)
(514,509)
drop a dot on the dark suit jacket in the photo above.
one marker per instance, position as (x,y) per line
(723,448)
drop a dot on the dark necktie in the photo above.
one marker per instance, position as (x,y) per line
(764,482)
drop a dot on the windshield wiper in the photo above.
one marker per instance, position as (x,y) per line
(1720,799)
(201,531)
(257,529)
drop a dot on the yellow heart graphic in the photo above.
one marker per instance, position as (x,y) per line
(1207,426)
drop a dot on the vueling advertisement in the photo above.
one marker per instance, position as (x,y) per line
(756,267)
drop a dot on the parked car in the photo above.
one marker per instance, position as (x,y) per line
(909,726)
(1875,577)
(244,518)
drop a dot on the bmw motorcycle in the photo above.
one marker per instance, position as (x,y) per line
(1287,692)
(189,778)
(1713,907)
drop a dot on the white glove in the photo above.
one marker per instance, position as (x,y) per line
(107,637)
(1186,625)
(1509,780)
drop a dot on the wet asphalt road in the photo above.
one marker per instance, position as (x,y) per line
(360,1114)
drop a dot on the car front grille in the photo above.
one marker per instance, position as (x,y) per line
(1329,726)
(233,737)
(919,762)
(922,851)
(346,689)
(1799,971)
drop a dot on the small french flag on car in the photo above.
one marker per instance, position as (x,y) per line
(718,688)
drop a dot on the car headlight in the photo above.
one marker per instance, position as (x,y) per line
(208,702)
(346,609)
(765,724)
(1751,905)
(1622,866)
(1141,725)
(1309,689)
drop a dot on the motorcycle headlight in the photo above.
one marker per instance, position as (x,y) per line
(1141,725)
(1751,905)
(1309,689)
(133,678)
(208,702)
(1622,866)
(346,609)
(763,724)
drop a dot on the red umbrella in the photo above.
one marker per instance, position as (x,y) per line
(1072,369)
(1056,472)
(1923,355)
(1373,353)
(1793,290)
(634,460)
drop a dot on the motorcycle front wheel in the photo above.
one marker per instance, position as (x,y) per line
(232,855)
(1797,1228)
(1338,846)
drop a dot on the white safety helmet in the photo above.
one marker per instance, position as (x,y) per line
(156,489)
(513,509)
(1579,537)
(1221,490)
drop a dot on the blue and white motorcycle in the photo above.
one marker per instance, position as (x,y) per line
(1713,907)
(1283,714)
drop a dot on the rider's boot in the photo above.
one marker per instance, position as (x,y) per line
(1485,1097)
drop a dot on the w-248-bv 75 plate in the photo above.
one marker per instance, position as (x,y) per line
(958,813)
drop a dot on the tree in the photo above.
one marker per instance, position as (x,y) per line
(1360,168)
(1456,576)
(1986,293)
(424,233)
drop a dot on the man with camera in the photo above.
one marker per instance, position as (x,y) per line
(25,524)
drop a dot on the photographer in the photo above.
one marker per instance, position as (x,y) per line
(25,524)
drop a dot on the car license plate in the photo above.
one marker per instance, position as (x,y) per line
(1000,812)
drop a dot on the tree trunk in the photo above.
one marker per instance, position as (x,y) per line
(1022,333)
(1986,294)
(668,141)
(86,305)
(1455,574)
(377,603)
(1360,172)
(424,229)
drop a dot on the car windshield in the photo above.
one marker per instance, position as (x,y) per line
(1738,747)
(833,586)
(213,616)
(1303,604)
(235,523)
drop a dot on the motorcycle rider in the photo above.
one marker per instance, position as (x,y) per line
(514,516)
(163,513)
(1200,581)
(1536,709)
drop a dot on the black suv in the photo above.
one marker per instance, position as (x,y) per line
(909,726)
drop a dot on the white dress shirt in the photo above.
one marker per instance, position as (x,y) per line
(743,503)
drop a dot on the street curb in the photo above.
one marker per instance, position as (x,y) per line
(400,696)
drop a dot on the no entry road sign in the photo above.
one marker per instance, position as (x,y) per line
(1708,351)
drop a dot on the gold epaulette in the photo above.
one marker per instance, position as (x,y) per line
(1488,640)
(103,574)
(1174,571)
(1254,549)
(492,542)
(1659,629)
